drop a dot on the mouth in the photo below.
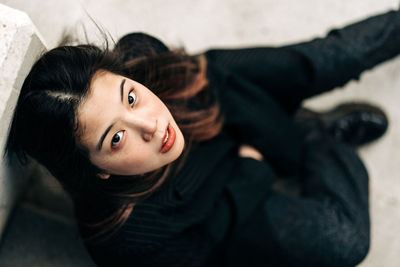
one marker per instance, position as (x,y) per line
(168,139)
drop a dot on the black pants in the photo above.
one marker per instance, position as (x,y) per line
(328,223)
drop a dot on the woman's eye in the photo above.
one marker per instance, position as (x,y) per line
(117,138)
(131,98)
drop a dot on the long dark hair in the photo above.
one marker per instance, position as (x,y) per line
(45,127)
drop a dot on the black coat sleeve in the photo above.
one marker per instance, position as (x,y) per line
(295,72)
(150,244)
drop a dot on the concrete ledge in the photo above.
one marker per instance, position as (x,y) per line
(20,45)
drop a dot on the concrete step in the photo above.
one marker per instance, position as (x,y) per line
(38,237)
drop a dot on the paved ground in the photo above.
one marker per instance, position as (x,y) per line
(198,25)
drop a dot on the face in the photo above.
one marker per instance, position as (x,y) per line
(126,128)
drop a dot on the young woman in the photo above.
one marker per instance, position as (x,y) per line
(173,160)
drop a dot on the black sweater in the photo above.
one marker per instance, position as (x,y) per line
(221,209)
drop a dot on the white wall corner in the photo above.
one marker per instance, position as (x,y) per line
(20,46)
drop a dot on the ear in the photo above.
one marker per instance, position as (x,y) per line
(104,175)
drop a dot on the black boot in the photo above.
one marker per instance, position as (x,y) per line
(352,123)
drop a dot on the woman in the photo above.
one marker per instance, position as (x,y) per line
(172,160)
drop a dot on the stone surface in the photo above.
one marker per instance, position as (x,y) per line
(198,25)
(51,18)
(19,46)
(35,237)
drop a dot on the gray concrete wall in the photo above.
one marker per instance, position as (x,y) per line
(198,25)
(19,46)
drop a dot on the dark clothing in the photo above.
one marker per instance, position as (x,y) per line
(223,210)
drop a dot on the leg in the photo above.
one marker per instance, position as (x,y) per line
(327,225)
(293,73)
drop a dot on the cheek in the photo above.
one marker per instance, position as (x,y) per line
(159,106)
(125,165)
(136,158)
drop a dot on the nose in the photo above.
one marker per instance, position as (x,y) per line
(146,126)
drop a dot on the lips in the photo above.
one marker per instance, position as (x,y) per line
(168,139)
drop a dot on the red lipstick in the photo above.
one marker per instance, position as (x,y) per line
(168,139)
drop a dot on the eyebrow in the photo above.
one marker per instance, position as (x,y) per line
(122,90)
(100,143)
(103,136)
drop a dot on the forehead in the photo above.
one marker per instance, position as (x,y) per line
(102,80)
(96,111)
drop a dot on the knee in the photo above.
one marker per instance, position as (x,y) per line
(351,248)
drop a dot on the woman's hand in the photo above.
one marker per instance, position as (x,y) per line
(246,151)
